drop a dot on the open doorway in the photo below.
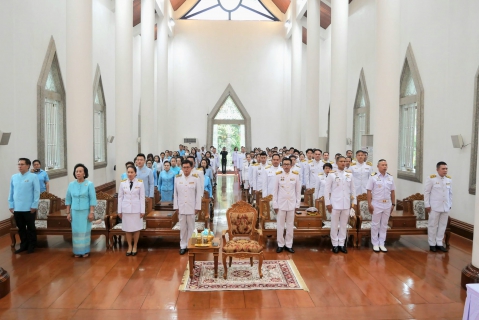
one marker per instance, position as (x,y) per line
(229,136)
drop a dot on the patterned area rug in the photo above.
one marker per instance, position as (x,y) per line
(277,275)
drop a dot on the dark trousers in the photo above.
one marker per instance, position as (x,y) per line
(25,221)
(223,166)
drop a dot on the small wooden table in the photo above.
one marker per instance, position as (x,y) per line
(161,219)
(58,220)
(192,250)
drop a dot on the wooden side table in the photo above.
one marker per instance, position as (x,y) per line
(58,220)
(192,250)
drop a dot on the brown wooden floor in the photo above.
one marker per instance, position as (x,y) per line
(407,282)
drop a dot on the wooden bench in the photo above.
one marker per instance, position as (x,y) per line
(364,219)
(51,220)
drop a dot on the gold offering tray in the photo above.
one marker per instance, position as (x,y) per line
(202,244)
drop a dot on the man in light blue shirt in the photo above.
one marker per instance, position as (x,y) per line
(145,174)
(182,151)
(23,203)
(42,175)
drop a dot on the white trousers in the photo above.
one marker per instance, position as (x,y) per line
(379,226)
(285,217)
(339,220)
(187,226)
(240,174)
(436,227)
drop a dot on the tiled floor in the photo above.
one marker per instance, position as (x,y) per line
(405,283)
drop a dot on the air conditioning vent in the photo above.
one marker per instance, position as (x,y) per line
(189,140)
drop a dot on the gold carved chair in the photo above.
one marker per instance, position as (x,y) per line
(241,219)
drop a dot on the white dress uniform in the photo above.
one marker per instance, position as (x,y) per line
(251,173)
(320,186)
(131,203)
(235,158)
(269,179)
(187,199)
(286,198)
(381,187)
(315,168)
(306,173)
(146,174)
(361,174)
(339,192)
(298,167)
(246,175)
(240,159)
(303,164)
(437,196)
(257,177)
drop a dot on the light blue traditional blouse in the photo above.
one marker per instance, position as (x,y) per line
(80,196)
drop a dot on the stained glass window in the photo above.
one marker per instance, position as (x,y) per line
(361,113)
(408,88)
(229,111)
(230,10)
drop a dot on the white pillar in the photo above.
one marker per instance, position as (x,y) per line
(388,64)
(79,85)
(311,119)
(162,81)
(339,76)
(125,143)
(148,123)
(296,57)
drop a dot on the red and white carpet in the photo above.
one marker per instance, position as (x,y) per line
(277,275)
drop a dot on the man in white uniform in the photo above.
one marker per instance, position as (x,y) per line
(338,194)
(381,199)
(438,202)
(315,168)
(240,162)
(286,199)
(361,173)
(269,176)
(258,173)
(187,200)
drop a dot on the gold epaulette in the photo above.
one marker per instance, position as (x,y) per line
(267,167)
(449,177)
(348,171)
(332,171)
(201,168)
(295,172)
(278,172)
(303,160)
(139,180)
(256,164)
(369,163)
(195,175)
(123,180)
(178,175)
(331,162)
(320,174)
(374,173)
(309,161)
(432,176)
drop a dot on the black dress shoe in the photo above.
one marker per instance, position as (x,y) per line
(279,249)
(343,249)
(441,248)
(128,253)
(335,249)
(290,250)
(20,250)
(134,253)
(432,248)
(183,251)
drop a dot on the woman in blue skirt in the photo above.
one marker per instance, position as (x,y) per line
(81,201)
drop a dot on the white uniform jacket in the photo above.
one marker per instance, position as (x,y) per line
(131,201)
(320,186)
(187,194)
(381,187)
(315,168)
(287,191)
(257,176)
(438,193)
(339,190)
(269,178)
(361,173)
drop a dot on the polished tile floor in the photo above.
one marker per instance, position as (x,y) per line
(408,282)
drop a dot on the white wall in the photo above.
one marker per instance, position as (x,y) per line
(206,56)
(25,31)
(444,37)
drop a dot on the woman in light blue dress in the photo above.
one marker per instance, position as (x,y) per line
(175,166)
(166,182)
(205,164)
(80,202)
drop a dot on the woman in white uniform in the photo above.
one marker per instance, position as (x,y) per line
(131,208)
(321,181)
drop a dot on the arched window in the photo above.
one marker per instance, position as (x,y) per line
(361,112)
(229,10)
(229,123)
(51,106)
(475,128)
(411,120)
(99,122)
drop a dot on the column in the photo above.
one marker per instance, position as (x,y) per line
(296,57)
(470,273)
(162,81)
(125,139)
(339,76)
(312,116)
(79,85)
(148,123)
(388,65)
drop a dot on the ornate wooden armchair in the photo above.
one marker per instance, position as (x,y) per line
(268,216)
(102,213)
(364,218)
(308,200)
(241,219)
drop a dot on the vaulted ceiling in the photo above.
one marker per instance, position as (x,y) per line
(282,5)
